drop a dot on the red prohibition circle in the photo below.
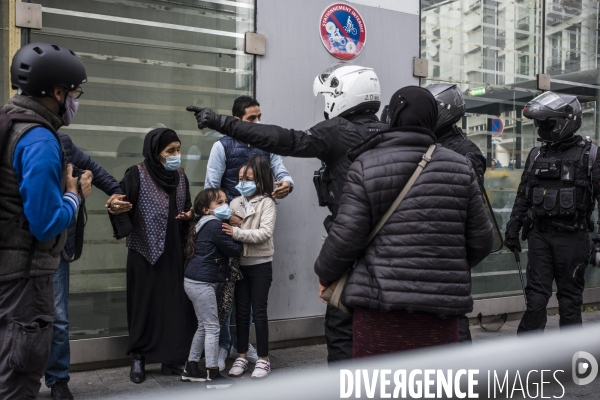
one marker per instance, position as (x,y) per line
(343,31)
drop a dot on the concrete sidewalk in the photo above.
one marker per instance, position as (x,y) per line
(114,383)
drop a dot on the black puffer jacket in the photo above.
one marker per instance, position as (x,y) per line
(420,261)
(102,180)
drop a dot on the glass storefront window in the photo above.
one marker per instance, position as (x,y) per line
(493,50)
(146,61)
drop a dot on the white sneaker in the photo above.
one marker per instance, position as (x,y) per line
(222,358)
(262,369)
(252,355)
(239,367)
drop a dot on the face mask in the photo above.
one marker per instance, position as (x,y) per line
(246,188)
(222,212)
(173,162)
(257,122)
(71,109)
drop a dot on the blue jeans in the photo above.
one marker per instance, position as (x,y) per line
(59,362)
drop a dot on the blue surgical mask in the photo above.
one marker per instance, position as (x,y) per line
(222,212)
(173,162)
(246,188)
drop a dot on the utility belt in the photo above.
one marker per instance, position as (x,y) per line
(543,224)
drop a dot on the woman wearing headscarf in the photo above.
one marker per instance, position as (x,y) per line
(413,280)
(160,316)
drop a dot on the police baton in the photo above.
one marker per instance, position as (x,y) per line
(518,260)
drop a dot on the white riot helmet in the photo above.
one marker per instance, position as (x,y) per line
(348,89)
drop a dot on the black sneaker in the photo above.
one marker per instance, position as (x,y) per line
(60,391)
(191,373)
(217,381)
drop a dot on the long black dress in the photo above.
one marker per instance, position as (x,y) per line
(160,316)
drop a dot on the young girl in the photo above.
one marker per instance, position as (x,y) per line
(207,254)
(257,209)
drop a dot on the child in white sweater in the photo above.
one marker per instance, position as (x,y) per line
(257,209)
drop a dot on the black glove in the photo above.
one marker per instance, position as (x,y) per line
(511,237)
(595,252)
(206,118)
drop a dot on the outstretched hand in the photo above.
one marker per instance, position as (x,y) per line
(185,216)
(205,117)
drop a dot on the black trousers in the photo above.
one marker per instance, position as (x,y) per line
(338,333)
(464,333)
(561,257)
(26,313)
(252,295)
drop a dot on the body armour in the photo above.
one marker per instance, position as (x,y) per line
(151,214)
(558,185)
(236,155)
(15,244)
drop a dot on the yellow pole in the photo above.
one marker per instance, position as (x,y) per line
(11,43)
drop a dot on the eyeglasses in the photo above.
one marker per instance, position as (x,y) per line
(76,93)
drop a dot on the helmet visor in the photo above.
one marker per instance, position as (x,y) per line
(326,82)
(548,99)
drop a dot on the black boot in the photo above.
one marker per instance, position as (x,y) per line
(138,368)
(171,369)
(192,373)
(60,391)
(217,381)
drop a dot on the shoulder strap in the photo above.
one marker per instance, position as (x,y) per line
(532,161)
(426,158)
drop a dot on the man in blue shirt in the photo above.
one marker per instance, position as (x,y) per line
(39,199)
(226,158)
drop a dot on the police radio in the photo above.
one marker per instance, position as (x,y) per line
(321,185)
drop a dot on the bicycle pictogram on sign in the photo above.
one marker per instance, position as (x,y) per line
(343,31)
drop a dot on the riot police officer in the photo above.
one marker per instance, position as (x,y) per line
(555,200)
(352,97)
(451,108)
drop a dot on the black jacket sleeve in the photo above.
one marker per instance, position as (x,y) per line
(102,179)
(347,238)
(130,185)
(225,244)
(522,203)
(313,143)
(479,233)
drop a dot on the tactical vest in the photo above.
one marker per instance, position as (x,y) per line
(15,247)
(559,184)
(236,155)
(151,216)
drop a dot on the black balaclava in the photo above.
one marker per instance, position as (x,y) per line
(413,106)
(545,129)
(168,180)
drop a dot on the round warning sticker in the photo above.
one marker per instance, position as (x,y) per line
(343,31)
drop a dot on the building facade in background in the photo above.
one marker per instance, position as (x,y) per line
(493,50)
(149,59)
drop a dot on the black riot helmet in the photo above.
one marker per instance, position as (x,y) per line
(451,104)
(38,68)
(557,116)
